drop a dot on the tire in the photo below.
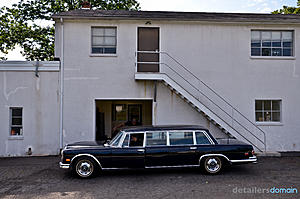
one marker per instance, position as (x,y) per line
(212,165)
(85,167)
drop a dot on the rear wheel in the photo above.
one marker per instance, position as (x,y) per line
(85,167)
(212,165)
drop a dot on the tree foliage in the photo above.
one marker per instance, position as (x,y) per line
(21,24)
(288,10)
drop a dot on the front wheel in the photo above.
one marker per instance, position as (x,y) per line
(85,167)
(212,165)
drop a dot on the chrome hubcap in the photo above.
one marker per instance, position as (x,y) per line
(84,168)
(212,165)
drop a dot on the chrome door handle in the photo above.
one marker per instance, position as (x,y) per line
(193,148)
(141,150)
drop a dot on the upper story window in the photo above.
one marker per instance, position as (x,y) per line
(268,110)
(16,121)
(104,40)
(271,43)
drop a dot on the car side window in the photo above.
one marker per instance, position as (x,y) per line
(181,138)
(136,139)
(201,138)
(126,141)
(117,139)
(156,138)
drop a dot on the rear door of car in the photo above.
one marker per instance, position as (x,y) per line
(130,154)
(179,149)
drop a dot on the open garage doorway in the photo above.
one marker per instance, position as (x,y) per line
(111,115)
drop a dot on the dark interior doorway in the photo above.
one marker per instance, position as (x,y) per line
(148,40)
(100,125)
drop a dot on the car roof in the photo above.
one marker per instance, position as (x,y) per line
(163,127)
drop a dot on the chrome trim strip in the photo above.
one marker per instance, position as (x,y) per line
(251,159)
(207,155)
(64,166)
(89,155)
(178,166)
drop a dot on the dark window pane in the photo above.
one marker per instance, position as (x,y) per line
(255,51)
(267,116)
(126,141)
(136,139)
(266,43)
(109,50)
(97,50)
(16,131)
(16,121)
(266,52)
(259,117)
(201,138)
(276,105)
(276,44)
(258,105)
(276,51)
(276,116)
(267,105)
(119,112)
(287,44)
(255,43)
(181,138)
(156,138)
(287,52)
(16,112)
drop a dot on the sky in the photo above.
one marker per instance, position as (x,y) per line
(243,6)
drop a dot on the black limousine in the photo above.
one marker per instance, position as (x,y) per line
(156,147)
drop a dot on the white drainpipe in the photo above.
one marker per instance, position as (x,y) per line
(61,111)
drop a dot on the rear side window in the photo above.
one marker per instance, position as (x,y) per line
(156,138)
(181,138)
(201,138)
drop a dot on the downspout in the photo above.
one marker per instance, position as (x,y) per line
(61,112)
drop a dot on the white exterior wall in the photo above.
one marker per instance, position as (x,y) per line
(39,98)
(219,54)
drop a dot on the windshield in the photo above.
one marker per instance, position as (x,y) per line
(115,141)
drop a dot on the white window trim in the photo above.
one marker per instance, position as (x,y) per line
(269,123)
(15,137)
(274,57)
(90,41)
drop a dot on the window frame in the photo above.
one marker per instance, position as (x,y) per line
(280,122)
(91,42)
(293,56)
(19,126)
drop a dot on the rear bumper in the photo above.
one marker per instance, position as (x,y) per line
(252,159)
(64,166)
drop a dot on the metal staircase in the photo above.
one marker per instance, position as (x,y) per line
(203,98)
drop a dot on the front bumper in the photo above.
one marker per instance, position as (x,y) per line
(252,159)
(64,166)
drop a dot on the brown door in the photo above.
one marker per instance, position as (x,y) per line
(148,40)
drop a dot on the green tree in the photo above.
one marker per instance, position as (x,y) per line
(288,10)
(21,24)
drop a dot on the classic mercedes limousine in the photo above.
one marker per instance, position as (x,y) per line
(156,147)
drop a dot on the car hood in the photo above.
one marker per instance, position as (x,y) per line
(230,141)
(86,144)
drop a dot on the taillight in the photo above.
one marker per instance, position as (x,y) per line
(246,154)
(252,152)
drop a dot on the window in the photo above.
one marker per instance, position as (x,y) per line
(181,138)
(115,141)
(119,112)
(136,140)
(156,138)
(271,43)
(104,40)
(16,121)
(201,138)
(267,110)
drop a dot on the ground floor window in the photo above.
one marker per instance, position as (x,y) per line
(16,121)
(268,110)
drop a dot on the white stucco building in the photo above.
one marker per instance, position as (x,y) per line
(236,74)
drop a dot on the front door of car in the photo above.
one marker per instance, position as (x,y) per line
(131,154)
